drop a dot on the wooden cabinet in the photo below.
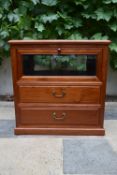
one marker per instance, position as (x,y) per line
(59,86)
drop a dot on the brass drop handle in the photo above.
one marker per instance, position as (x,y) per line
(59,95)
(62,117)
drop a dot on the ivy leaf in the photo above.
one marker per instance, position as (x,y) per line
(99,36)
(25,4)
(6,47)
(13,17)
(4,34)
(39,27)
(75,36)
(114,1)
(60,30)
(0,16)
(70,22)
(2,43)
(107,1)
(23,10)
(49,18)
(103,14)
(24,23)
(77,23)
(113,27)
(27,38)
(113,47)
(68,26)
(115,12)
(35,1)
(62,15)
(89,15)
(5,4)
(49,2)
(86,15)
(81,2)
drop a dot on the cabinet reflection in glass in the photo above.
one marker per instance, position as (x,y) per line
(50,65)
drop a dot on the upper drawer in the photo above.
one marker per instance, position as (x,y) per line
(59,49)
(59,94)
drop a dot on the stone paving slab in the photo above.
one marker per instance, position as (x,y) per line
(89,156)
(44,155)
(30,156)
(7,110)
(27,155)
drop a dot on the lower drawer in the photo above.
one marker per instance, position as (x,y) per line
(59,116)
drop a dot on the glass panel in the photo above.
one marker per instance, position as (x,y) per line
(59,65)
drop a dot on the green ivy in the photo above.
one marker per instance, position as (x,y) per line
(57,19)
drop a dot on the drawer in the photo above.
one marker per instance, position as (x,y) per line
(59,94)
(59,48)
(59,116)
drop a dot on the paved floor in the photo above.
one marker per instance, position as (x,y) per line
(48,155)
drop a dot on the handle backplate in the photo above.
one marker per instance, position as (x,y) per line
(61,95)
(62,117)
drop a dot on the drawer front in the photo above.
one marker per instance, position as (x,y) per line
(46,116)
(59,94)
(60,49)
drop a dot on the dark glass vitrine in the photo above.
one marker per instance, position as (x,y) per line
(71,64)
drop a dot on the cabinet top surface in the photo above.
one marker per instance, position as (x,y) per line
(59,42)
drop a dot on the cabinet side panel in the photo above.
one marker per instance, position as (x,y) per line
(104,79)
(14,77)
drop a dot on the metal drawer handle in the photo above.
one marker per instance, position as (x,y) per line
(54,115)
(59,95)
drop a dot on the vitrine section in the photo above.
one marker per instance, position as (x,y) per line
(68,60)
(59,65)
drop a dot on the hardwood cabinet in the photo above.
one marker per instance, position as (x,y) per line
(59,86)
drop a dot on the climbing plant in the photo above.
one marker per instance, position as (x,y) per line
(57,19)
